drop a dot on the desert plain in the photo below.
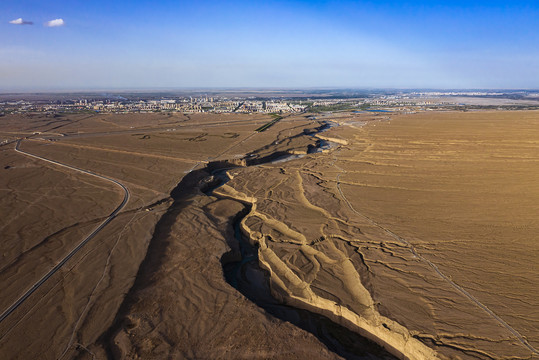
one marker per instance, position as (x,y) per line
(336,235)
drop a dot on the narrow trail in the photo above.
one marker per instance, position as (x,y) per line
(414,252)
(80,245)
(92,296)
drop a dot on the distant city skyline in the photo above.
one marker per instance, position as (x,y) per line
(62,45)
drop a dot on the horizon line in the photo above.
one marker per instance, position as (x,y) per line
(249,88)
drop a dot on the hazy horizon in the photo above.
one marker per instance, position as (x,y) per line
(284,90)
(121,45)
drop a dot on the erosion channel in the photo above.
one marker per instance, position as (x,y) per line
(225,277)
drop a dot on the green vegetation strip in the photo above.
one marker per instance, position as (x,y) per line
(268,125)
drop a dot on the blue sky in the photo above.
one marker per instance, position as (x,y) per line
(177,44)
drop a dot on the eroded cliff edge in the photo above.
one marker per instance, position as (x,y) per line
(181,305)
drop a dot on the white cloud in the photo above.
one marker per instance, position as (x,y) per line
(20,21)
(55,23)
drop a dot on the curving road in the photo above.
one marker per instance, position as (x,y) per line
(80,245)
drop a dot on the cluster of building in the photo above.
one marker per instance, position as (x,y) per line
(391,101)
(401,101)
(270,107)
(185,105)
(456,93)
(409,102)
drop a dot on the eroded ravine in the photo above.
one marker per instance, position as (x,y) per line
(298,289)
(254,277)
(242,270)
(288,284)
(182,306)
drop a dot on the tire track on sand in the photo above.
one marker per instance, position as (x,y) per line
(414,252)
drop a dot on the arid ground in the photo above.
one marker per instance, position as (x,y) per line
(328,236)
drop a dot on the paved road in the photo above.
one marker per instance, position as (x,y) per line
(80,245)
(51,272)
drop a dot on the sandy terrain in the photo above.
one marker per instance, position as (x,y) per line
(414,233)
(48,209)
(462,189)
(487,101)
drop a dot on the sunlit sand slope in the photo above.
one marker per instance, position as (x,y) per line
(462,189)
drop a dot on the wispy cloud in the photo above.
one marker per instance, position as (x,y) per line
(55,23)
(20,21)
